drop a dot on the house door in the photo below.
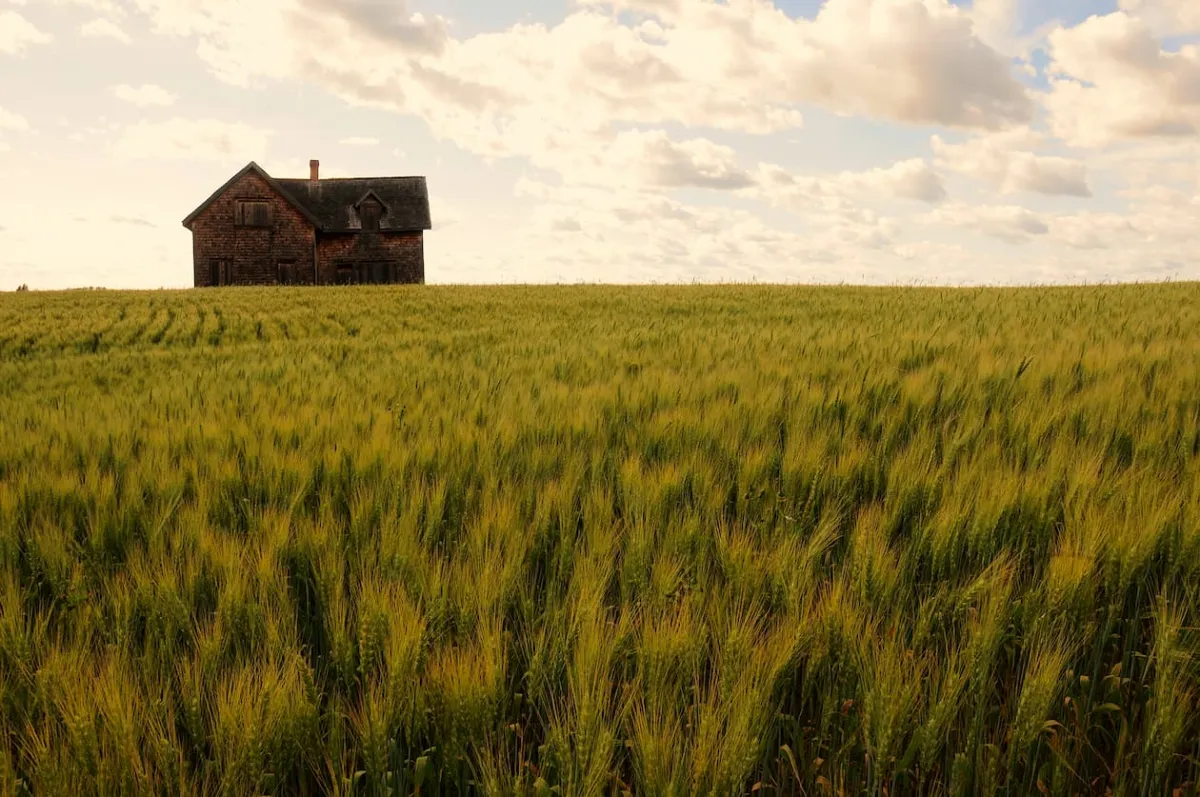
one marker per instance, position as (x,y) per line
(218,272)
(371,273)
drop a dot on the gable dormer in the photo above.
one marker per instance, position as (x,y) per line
(370,209)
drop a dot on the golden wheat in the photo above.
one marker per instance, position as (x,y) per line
(593,541)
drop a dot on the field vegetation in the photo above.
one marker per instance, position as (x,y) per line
(600,541)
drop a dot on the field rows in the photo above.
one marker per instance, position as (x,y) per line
(158,322)
(585,541)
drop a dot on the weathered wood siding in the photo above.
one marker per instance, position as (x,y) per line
(254,254)
(401,253)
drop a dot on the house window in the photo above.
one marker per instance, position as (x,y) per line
(252,213)
(287,272)
(370,212)
(218,272)
(371,273)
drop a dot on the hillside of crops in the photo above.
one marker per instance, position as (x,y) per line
(600,541)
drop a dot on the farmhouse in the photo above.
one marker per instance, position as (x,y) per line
(260,230)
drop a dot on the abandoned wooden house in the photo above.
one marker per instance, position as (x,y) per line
(261,230)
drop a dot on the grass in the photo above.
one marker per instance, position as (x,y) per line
(597,541)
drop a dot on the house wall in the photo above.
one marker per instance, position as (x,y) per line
(254,253)
(403,251)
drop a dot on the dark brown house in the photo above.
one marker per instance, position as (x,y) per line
(259,230)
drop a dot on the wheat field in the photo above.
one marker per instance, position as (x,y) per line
(600,541)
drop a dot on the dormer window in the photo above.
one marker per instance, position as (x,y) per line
(370,211)
(252,213)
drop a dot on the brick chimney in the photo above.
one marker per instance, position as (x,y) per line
(314,170)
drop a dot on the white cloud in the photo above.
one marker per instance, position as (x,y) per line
(1005,161)
(240,41)
(12,121)
(649,158)
(617,235)
(914,178)
(104,29)
(1166,16)
(1111,80)
(908,60)
(1166,217)
(601,234)
(996,23)
(1154,236)
(905,60)
(192,139)
(834,193)
(359,141)
(110,8)
(1153,164)
(932,254)
(1092,231)
(144,96)
(743,66)
(135,221)
(18,33)
(1010,223)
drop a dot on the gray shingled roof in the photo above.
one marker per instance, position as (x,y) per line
(334,202)
(332,205)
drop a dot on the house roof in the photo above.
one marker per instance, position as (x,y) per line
(328,204)
(405,201)
(271,181)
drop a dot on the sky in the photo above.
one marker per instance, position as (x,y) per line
(628,141)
